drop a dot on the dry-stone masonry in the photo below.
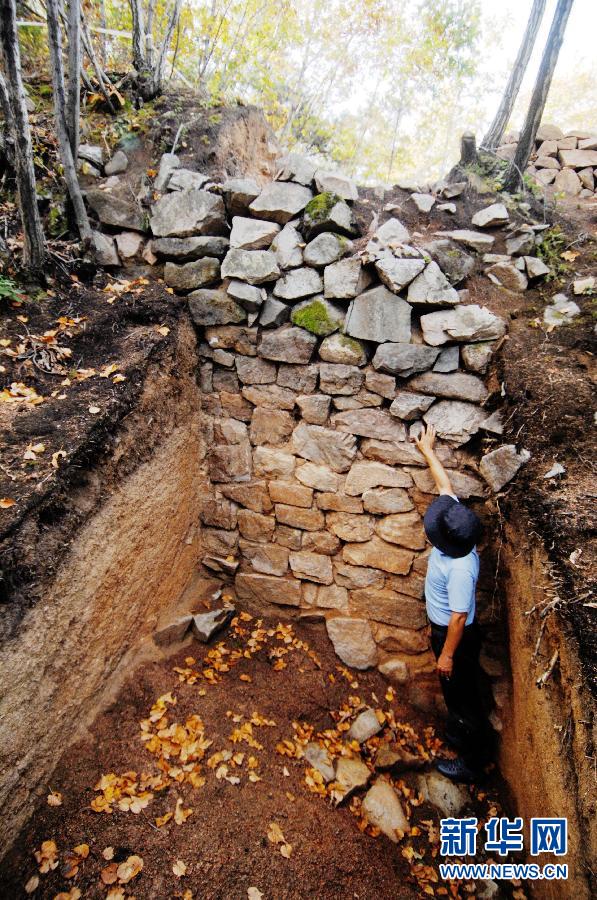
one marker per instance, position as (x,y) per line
(566,162)
(317,364)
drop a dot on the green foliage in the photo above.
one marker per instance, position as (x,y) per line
(553,244)
(9,290)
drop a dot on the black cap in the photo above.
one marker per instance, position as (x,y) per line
(451,526)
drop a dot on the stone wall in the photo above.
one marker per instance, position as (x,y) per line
(321,353)
(566,162)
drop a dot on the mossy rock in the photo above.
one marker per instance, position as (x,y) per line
(328,212)
(317,316)
(320,207)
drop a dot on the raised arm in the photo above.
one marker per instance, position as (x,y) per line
(425,443)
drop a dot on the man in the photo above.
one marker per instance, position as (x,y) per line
(450,586)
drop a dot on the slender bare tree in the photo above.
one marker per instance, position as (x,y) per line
(14,93)
(549,59)
(66,154)
(73,91)
(149,60)
(496,130)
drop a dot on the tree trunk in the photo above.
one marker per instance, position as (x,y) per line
(138,35)
(496,131)
(468,149)
(154,86)
(73,95)
(526,143)
(66,154)
(33,249)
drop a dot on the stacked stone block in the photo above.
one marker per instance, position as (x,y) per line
(566,162)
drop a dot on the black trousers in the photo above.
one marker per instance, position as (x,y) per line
(468,727)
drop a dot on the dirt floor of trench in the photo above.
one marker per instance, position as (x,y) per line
(284,685)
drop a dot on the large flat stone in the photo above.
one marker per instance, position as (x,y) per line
(287,245)
(372,423)
(117,211)
(378,554)
(327,248)
(322,445)
(271,396)
(404,359)
(454,386)
(345,279)
(353,642)
(365,726)
(382,809)
(260,589)
(475,239)
(295,167)
(312,567)
(252,370)
(454,262)
(185,213)
(190,248)
(297,283)
(578,159)
(239,193)
(281,201)
(455,420)
(271,463)
(351,774)
(252,266)
(397,273)
(287,344)
(353,528)
(410,406)
(314,408)
(319,477)
(253,495)
(274,313)
(214,307)
(338,348)
(404,529)
(352,577)
(191,275)
(491,216)
(252,234)
(432,287)
(336,183)
(339,379)
(267,559)
(498,467)
(465,323)
(367,474)
(386,501)
(389,606)
(378,315)
(298,517)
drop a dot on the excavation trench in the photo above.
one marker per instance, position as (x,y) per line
(134,564)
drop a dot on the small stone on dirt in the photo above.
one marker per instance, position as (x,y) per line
(364,726)
(382,808)
(206,625)
(498,467)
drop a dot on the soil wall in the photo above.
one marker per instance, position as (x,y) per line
(132,558)
(547,752)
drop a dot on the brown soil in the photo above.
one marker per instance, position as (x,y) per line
(80,409)
(224,841)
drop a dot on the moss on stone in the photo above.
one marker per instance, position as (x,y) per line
(321,206)
(314,317)
(350,343)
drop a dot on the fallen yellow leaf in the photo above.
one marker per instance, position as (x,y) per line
(54,798)
(94,410)
(108,853)
(6,502)
(179,868)
(129,869)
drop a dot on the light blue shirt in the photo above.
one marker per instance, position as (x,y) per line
(450,586)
